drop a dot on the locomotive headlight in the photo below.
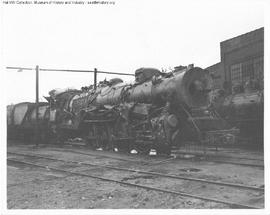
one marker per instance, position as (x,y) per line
(198,85)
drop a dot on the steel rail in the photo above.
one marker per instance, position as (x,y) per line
(101,155)
(238,205)
(146,172)
(194,153)
(143,163)
(240,164)
(214,155)
(215,161)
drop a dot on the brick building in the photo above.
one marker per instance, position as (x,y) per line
(242,60)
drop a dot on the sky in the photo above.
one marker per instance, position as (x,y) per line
(117,38)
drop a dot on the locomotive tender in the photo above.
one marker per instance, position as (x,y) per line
(21,120)
(157,111)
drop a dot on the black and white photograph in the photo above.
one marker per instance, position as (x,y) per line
(124,104)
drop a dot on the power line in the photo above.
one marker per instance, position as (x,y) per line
(68,70)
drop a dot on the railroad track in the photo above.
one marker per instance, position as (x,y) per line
(176,152)
(216,155)
(157,160)
(98,154)
(144,172)
(166,158)
(219,183)
(236,163)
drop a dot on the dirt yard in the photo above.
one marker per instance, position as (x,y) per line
(37,188)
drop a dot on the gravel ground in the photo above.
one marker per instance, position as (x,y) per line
(35,188)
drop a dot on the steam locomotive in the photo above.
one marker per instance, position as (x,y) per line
(159,110)
(245,111)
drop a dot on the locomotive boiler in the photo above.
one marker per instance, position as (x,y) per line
(157,111)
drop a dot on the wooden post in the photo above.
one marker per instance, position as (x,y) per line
(95,78)
(37,104)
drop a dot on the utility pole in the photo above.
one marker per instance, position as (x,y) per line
(37,104)
(95,78)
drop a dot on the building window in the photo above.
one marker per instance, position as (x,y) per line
(258,68)
(236,74)
(246,73)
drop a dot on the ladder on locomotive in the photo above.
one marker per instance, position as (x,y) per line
(196,115)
